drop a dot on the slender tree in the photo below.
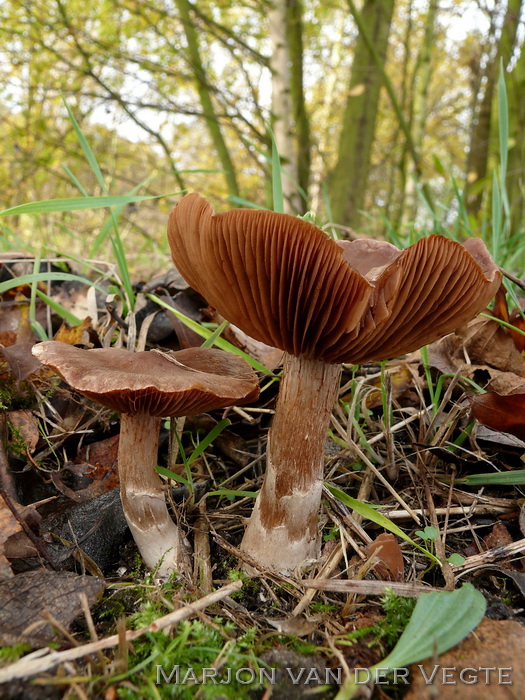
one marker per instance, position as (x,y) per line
(350,176)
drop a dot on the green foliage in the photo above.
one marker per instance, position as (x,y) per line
(193,647)
(397,616)
(13,653)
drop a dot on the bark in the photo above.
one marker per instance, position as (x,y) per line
(282,104)
(156,535)
(282,533)
(300,115)
(350,176)
(204,91)
(483,125)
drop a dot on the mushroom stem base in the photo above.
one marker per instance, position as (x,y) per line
(282,533)
(156,535)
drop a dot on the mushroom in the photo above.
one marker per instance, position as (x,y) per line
(143,387)
(284,282)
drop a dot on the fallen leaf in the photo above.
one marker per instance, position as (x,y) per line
(20,360)
(390,565)
(27,596)
(498,536)
(27,425)
(495,645)
(504,413)
(74,335)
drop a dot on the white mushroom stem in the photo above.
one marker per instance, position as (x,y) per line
(283,531)
(142,495)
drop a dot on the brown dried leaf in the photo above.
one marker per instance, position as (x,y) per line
(25,597)
(27,424)
(20,360)
(74,335)
(386,549)
(505,413)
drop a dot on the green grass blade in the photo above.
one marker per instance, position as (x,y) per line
(503,116)
(516,477)
(244,202)
(210,437)
(205,333)
(231,493)
(46,206)
(60,310)
(76,181)
(90,156)
(44,277)
(210,341)
(171,475)
(371,514)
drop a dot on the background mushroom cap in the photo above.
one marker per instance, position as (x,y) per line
(191,381)
(284,282)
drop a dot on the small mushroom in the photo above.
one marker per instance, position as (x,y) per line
(144,387)
(285,283)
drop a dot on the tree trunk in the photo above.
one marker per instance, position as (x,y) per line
(282,104)
(203,89)
(300,115)
(350,176)
(483,125)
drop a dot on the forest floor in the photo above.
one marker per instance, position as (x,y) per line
(424,492)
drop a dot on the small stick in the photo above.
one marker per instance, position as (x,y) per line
(489,557)
(511,277)
(408,590)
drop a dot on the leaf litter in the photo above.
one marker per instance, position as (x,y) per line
(59,456)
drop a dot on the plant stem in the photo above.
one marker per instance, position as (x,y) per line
(142,495)
(283,532)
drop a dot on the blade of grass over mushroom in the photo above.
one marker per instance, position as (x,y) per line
(215,335)
(206,333)
(244,202)
(367,511)
(45,276)
(439,622)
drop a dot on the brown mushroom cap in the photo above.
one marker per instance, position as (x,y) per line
(284,282)
(191,381)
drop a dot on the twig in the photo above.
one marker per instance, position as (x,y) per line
(511,277)
(46,659)
(365,587)
(489,557)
